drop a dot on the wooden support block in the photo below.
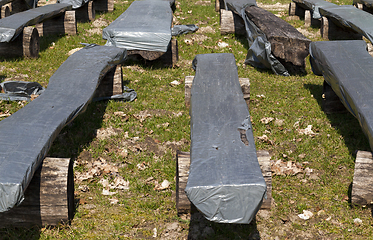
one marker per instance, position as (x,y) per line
(183,205)
(231,23)
(49,198)
(86,13)
(104,5)
(219,4)
(5,10)
(330,101)
(296,10)
(111,84)
(18,6)
(362,185)
(244,82)
(307,18)
(331,31)
(25,45)
(62,24)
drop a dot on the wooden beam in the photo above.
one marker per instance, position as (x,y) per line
(49,198)
(362,185)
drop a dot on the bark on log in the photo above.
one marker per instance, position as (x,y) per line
(287,43)
(244,82)
(111,84)
(86,13)
(5,11)
(104,5)
(62,24)
(231,23)
(25,45)
(183,205)
(362,185)
(330,101)
(49,199)
(333,31)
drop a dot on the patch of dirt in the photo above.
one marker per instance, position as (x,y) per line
(308,34)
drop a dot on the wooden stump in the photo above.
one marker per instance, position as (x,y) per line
(362,185)
(62,24)
(5,11)
(104,5)
(25,45)
(111,84)
(183,205)
(49,198)
(86,13)
(244,82)
(219,4)
(231,23)
(296,10)
(331,31)
(330,101)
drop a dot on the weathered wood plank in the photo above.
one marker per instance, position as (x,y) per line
(362,185)
(49,199)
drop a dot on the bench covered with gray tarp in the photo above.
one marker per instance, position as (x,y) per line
(12,26)
(347,68)
(145,25)
(314,6)
(225,180)
(27,135)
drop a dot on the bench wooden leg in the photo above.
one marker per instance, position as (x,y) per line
(86,13)
(219,4)
(18,6)
(330,101)
(111,84)
(231,23)
(296,10)
(49,198)
(183,205)
(5,11)
(362,185)
(104,5)
(330,31)
(64,24)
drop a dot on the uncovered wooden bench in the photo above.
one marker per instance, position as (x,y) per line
(19,38)
(144,29)
(27,135)
(347,70)
(225,181)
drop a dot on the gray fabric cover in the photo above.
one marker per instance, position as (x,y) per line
(315,6)
(75,3)
(19,90)
(259,53)
(225,181)
(27,135)
(347,68)
(351,17)
(12,26)
(145,25)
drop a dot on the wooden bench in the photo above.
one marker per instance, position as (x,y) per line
(365,5)
(19,38)
(144,29)
(225,181)
(85,10)
(27,135)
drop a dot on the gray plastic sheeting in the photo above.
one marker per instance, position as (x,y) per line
(12,26)
(75,3)
(353,18)
(145,25)
(19,90)
(315,6)
(27,135)
(259,53)
(347,68)
(183,29)
(225,181)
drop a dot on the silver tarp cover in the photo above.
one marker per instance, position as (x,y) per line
(225,181)
(347,68)
(145,25)
(315,6)
(75,3)
(27,135)
(12,26)
(351,17)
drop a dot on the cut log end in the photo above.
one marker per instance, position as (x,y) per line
(362,185)
(5,11)
(104,5)
(231,23)
(111,84)
(30,44)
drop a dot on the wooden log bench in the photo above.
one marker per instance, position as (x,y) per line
(225,181)
(19,38)
(365,5)
(27,135)
(144,29)
(104,5)
(85,10)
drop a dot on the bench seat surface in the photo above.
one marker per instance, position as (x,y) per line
(347,68)
(145,25)
(27,135)
(12,26)
(225,181)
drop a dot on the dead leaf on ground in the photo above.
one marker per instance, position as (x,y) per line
(266,120)
(164,185)
(142,115)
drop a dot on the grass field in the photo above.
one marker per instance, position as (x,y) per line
(142,138)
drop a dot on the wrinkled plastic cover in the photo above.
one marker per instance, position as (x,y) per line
(27,135)
(12,26)
(315,6)
(183,29)
(225,181)
(347,68)
(75,3)
(145,25)
(259,54)
(19,90)
(351,17)
(368,3)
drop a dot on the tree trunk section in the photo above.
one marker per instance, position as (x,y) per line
(62,24)
(25,45)
(5,11)
(86,13)
(111,84)
(362,185)
(231,23)
(104,5)
(331,31)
